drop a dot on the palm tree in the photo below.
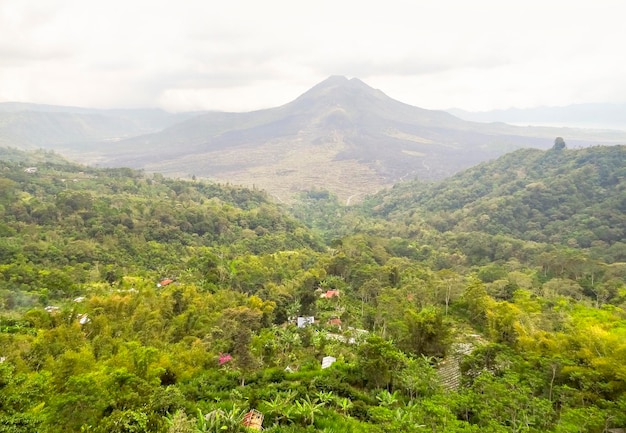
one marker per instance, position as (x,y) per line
(307,409)
(232,420)
(274,408)
(219,421)
(280,407)
(325,397)
(386,398)
(179,423)
(345,404)
(201,422)
(288,340)
(406,417)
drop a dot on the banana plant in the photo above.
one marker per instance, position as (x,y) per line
(306,409)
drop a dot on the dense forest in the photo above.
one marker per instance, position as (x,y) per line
(492,301)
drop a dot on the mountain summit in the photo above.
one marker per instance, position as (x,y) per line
(341,135)
(341,89)
(355,96)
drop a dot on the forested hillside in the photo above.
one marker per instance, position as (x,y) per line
(574,198)
(492,302)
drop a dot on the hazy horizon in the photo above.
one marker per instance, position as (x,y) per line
(244,55)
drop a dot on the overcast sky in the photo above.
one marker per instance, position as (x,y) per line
(240,55)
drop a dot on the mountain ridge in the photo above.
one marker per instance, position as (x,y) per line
(341,135)
(589,115)
(568,197)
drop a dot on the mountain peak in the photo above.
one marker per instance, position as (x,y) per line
(338,89)
(335,79)
(340,81)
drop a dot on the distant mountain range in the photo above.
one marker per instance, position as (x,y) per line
(341,135)
(597,116)
(25,125)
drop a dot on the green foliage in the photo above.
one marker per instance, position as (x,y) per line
(379,361)
(570,198)
(510,271)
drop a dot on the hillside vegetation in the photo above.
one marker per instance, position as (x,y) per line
(491,302)
(574,198)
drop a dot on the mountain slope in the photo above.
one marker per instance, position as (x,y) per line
(134,297)
(569,197)
(341,135)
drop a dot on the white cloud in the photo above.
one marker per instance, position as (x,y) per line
(244,54)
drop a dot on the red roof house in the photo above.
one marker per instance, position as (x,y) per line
(335,321)
(165,282)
